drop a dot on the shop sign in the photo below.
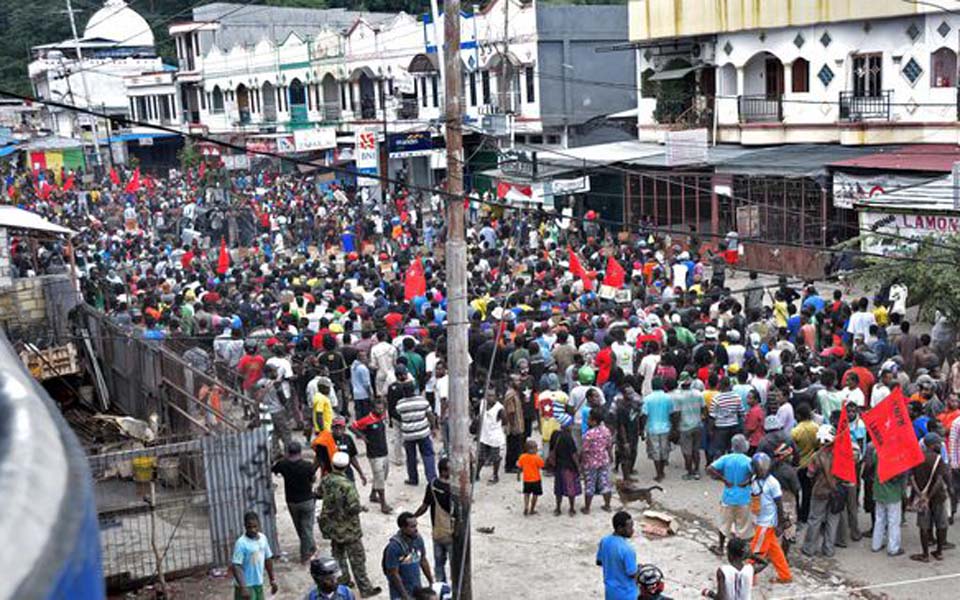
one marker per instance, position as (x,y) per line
(409,144)
(873,226)
(518,163)
(286,145)
(849,189)
(308,140)
(365,149)
(260,145)
(565,187)
(236,162)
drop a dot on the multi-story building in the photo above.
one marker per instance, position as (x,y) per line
(793,71)
(296,80)
(116,43)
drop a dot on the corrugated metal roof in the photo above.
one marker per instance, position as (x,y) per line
(17,218)
(915,157)
(795,160)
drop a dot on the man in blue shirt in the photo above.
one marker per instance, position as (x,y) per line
(618,559)
(251,554)
(404,558)
(736,473)
(660,416)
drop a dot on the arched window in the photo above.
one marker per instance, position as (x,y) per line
(217,99)
(943,68)
(801,76)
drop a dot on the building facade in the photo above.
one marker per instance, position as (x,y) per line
(879,72)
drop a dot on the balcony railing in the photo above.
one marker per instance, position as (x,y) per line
(760,109)
(191,116)
(331,111)
(861,108)
(244,117)
(368,108)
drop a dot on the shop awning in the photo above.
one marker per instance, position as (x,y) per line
(794,160)
(133,137)
(670,74)
(8,150)
(12,217)
(915,157)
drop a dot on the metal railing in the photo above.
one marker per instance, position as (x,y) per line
(331,111)
(859,108)
(760,109)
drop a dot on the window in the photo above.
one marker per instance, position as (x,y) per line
(825,75)
(217,99)
(353,101)
(912,71)
(423,91)
(473,88)
(485,86)
(435,89)
(801,76)
(530,84)
(943,68)
(343,96)
(867,75)
(648,88)
(553,140)
(165,112)
(203,99)
(534,139)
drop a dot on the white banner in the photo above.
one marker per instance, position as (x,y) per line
(579,185)
(306,140)
(686,147)
(873,226)
(848,188)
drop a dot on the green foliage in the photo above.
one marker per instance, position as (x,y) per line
(933,278)
(189,155)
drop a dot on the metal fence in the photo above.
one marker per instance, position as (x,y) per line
(145,377)
(181,501)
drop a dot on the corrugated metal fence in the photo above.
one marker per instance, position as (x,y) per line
(202,487)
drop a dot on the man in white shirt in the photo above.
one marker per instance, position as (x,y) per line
(648,367)
(861,320)
(852,392)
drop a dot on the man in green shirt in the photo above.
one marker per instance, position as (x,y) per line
(690,404)
(887,497)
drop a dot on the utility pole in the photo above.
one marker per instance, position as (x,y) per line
(86,89)
(461,442)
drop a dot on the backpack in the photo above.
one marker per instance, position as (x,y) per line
(442,522)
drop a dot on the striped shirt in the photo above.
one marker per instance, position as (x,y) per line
(414,424)
(726,409)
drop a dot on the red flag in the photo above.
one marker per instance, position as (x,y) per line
(223,262)
(68,184)
(414,281)
(577,270)
(891,431)
(45,189)
(203,168)
(114,177)
(133,185)
(148,181)
(615,275)
(844,465)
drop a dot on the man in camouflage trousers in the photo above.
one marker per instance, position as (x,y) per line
(340,523)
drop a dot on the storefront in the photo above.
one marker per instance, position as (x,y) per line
(915,212)
(417,158)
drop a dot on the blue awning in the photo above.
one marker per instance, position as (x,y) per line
(132,137)
(8,150)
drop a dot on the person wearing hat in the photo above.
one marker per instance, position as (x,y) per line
(298,476)
(339,522)
(326,573)
(928,482)
(826,502)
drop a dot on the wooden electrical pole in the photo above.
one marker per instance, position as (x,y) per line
(461,442)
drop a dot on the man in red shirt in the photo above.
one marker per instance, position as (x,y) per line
(866,377)
(250,365)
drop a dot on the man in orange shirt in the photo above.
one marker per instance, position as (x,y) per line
(530,464)
(866,377)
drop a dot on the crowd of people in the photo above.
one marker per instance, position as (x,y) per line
(328,307)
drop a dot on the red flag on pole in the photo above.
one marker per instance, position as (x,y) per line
(414,281)
(577,270)
(223,262)
(891,431)
(133,185)
(615,275)
(114,177)
(844,464)
(68,184)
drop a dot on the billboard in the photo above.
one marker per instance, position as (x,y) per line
(848,188)
(409,144)
(365,155)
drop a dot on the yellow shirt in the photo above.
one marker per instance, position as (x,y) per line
(805,436)
(882,316)
(322,409)
(780,313)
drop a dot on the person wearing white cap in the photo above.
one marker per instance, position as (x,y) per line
(827,494)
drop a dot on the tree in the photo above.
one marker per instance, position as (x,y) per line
(928,269)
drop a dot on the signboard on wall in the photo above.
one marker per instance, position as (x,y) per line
(409,144)
(873,226)
(286,145)
(848,188)
(307,140)
(365,155)
(518,163)
(687,147)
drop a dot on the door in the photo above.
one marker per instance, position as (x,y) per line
(867,75)
(774,78)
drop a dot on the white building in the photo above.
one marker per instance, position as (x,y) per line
(793,71)
(116,43)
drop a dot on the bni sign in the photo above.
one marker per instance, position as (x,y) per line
(365,155)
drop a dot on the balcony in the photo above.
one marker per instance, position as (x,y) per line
(244,117)
(191,116)
(298,116)
(760,109)
(409,109)
(854,108)
(331,111)
(368,108)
